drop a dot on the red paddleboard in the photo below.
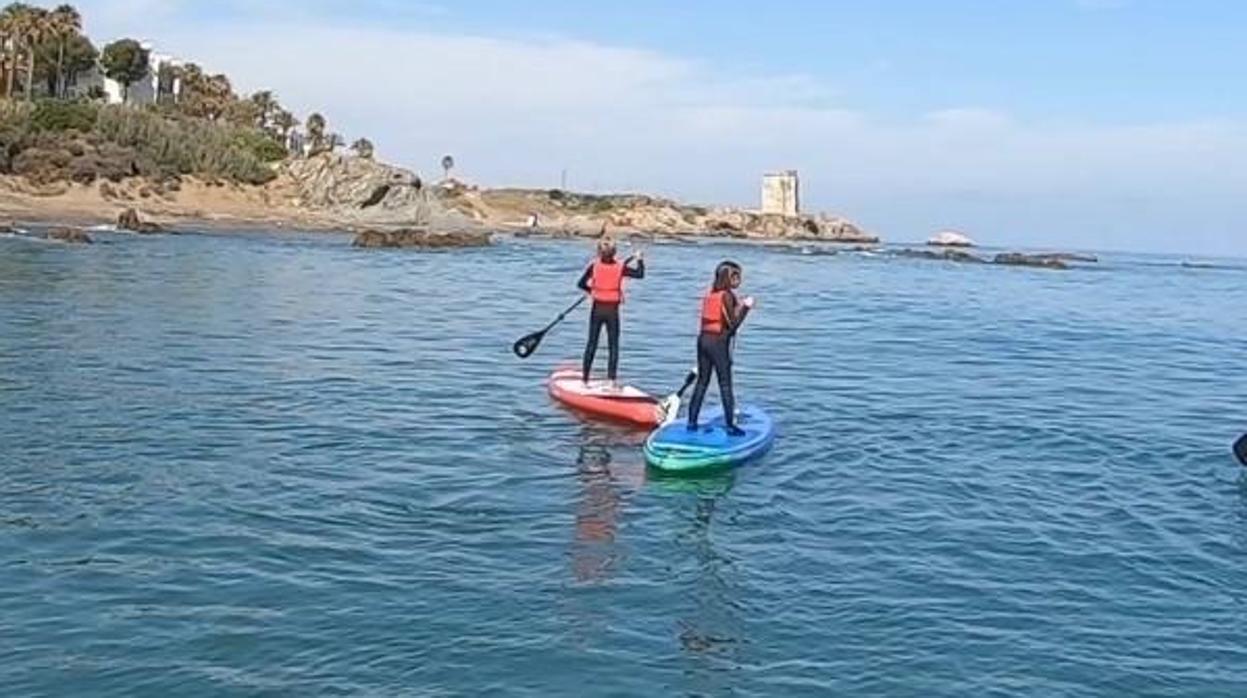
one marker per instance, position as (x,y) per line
(599,399)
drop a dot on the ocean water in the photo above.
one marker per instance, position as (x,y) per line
(269,464)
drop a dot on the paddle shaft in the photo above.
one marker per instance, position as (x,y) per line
(563,315)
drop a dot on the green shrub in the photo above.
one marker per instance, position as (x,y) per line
(260,144)
(60,115)
(116,142)
(187,146)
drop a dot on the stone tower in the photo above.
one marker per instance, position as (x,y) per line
(781,193)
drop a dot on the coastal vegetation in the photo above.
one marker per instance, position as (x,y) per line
(60,124)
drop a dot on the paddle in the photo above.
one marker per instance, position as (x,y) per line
(671,404)
(525,347)
(1240,449)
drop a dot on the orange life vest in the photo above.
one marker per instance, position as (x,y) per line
(712,312)
(606,283)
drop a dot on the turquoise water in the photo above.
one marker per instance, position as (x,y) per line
(273,465)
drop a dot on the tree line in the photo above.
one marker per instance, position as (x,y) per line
(43,53)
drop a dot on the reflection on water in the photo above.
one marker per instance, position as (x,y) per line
(710,630)
(597,516)
(602,486)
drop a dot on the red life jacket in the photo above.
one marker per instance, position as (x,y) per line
(606,284)
(712,312)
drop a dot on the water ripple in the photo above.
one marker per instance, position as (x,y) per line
(269,464)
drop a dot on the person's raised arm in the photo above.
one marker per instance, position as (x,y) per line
(635,269)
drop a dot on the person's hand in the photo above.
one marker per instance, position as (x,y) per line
(750,302)
(639,255)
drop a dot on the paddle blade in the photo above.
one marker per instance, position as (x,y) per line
(670,405)
(1240,449)
(525,347)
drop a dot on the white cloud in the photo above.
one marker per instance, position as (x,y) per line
(518,111)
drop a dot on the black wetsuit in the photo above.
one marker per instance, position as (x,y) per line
(605,315)
(714,353)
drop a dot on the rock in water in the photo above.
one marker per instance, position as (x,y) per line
(1070,257)
(1017,259)
(70,235)
(943,255)
(415,238)
(372,239)
(130,220)
(950,238)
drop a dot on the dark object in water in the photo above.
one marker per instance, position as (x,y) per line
(130,220)
(1240,449)
(946,254)
(1017,259)
(70,235)
(422,239)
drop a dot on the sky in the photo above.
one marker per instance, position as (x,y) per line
(1078,124)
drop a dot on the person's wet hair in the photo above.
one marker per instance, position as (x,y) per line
(606,248)
(723,275)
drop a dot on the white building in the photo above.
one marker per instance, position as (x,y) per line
(781,194)
(161,81)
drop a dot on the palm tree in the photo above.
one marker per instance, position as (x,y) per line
(266,107)
(38,29)
(220,94)
(17,19)
(284,122)
(363,148)
(6,39)
(65,23)
(316,126)
(190,74)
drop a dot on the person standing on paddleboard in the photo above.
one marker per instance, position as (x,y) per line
(721,316)
(604,282)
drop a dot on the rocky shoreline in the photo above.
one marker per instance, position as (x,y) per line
(388,207)
(343,192)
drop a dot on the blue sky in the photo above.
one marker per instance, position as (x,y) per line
(1118,124)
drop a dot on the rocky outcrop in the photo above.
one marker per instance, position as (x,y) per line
(1010,259)
(130,220)
(948,255)
(1069,257)
(72,236)
(950,238)
(418,238)
(582,215)
(835,229)
(1017,259)
(364,192)
(334,181)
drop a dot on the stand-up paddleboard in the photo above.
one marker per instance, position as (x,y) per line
(600,399)
(674,448)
